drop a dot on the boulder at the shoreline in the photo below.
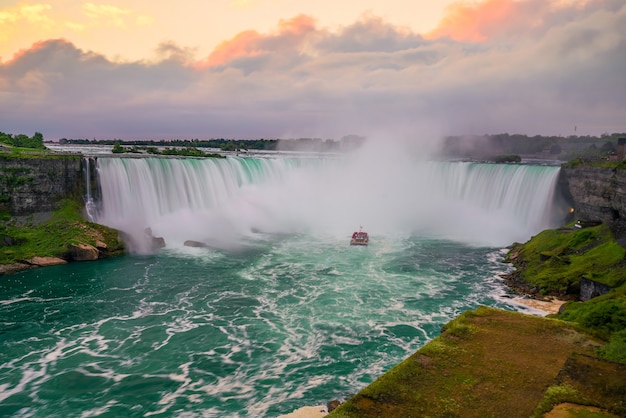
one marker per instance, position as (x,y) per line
(46,261)
(30,263)
(82,252)
(13,268)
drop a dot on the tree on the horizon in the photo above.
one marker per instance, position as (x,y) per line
(23,140)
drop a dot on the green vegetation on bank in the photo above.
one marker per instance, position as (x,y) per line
(595,162)
(604,316)
(22,140)
(554,261)
(28,239)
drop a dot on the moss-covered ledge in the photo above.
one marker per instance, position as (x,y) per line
(486,363)
(62,236)
(553,262)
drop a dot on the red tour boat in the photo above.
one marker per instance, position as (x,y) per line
(359,238)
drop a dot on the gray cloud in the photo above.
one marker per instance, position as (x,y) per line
(567,69)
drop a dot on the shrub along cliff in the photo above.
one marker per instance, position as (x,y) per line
(41,220)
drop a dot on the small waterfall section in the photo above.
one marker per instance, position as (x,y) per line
(90,205)
(222,202)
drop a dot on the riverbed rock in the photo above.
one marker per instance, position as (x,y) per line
(195,244)
(82,252)
(46,261)
(332,405)
(590,289)
(158,242)
(13,268)
(155,242)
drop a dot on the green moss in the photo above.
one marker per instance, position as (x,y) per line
(595,162)
(615,350)
(17,154)
(555,260)
(576,162)
(603,315)
(555,395)
(51,238)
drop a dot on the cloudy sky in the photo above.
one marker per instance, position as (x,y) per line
(142,69)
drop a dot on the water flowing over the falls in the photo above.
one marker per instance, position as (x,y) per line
(229,202)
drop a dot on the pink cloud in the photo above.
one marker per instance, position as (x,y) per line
(252,43)
(475,22)
(41,45)
(510,19)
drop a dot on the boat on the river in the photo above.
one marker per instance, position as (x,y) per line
(359,237)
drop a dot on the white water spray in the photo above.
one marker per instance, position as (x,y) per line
(227,202)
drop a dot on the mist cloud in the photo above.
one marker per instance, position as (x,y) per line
(534,67)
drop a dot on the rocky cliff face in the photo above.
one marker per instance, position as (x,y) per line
(32,185)
(597,193)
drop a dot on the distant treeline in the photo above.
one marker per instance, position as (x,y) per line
(547,146)
(477,146)
(310,144)
(22,140)
(223,144)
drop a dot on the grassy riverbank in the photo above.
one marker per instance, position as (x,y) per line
(48,235)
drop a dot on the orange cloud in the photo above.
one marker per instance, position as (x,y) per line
(473,22)
(297,25)
(251,43)
(34,47)
(242,45)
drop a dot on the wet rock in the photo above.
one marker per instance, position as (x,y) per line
(332,405)
(13,268)
(46,261)
(82,252)
(195,244)
(155,242)
(158,242)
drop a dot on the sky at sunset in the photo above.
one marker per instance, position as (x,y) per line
(142,69)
